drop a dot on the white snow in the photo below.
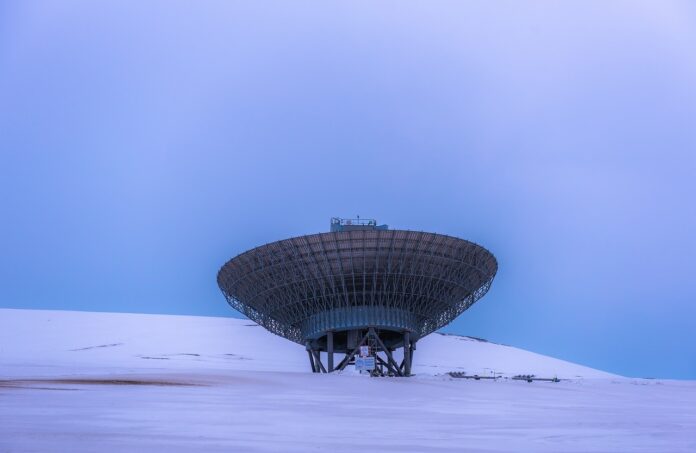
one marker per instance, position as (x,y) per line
(78,381)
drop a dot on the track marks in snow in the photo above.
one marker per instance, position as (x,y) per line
(98,346)
(41,384)
(237,357)
(195,357)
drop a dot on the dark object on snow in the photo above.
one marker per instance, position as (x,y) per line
(531,377)
(463,375)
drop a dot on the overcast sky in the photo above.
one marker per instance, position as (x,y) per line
(143,144)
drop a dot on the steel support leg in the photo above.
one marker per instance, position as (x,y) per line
(342,363)
(407,353)
(355,351)
(311,361)
(330,350)
(413,351)
(317,358)
(390,368)
(391,361)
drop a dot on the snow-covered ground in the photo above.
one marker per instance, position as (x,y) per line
(77,381)
(37,342)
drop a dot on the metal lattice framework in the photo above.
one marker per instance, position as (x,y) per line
(389,280)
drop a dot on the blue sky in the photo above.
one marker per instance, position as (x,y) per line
(145,143)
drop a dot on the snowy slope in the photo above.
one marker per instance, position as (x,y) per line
(85,382)
(37,342)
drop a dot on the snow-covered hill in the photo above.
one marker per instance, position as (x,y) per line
(85,382)
(37,342)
